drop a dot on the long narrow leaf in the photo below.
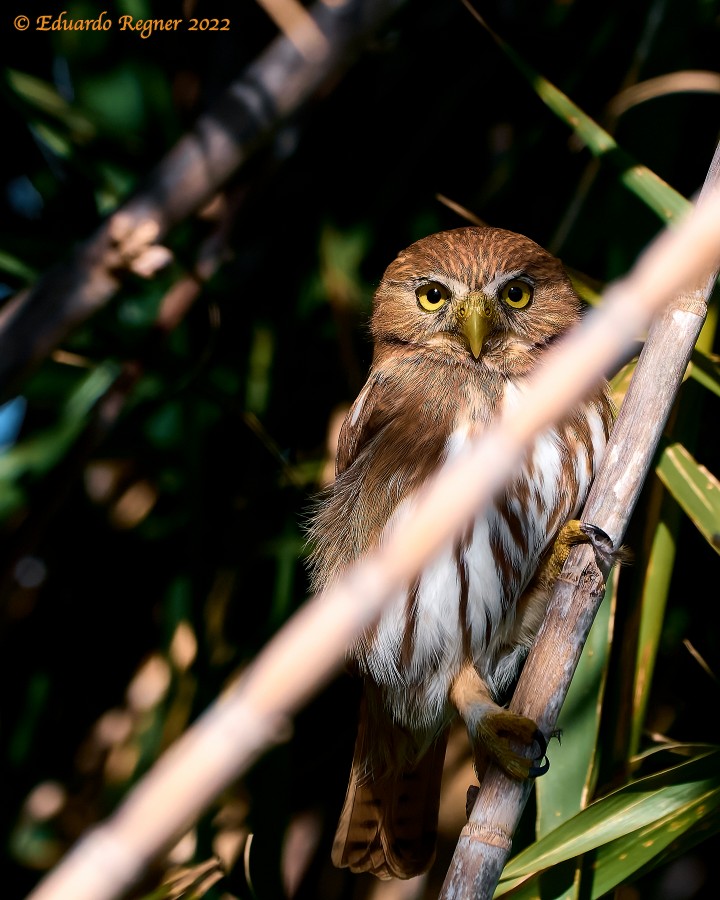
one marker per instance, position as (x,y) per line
(655,570)
(706,371)
(664,200)
(563,791)
(695,488)
(45,98)
(622,859)
(37,454)
(638,805)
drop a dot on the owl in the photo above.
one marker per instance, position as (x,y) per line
(460,321)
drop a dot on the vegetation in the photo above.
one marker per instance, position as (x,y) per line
(158,464)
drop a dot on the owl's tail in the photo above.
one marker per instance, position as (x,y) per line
(388,824)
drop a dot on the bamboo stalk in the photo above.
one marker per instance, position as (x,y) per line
(486,840)
(311,647)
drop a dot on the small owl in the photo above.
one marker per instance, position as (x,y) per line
(460,320)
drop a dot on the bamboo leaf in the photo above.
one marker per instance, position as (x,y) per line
(638,852)
(37,454)
(564,791)
(706,371)
(664,200)
(695,489)
(624,858)
(14,266)
(43,97)
(647,802)
(655,578)
(561,793)
(620,382)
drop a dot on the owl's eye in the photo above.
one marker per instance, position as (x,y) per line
(432,296)
(517,293)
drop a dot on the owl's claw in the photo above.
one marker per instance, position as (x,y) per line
(575,532)
(536,771)
(498,729)
(495,731)
(597,537)
(470,798)
(530,770)
(541,741)
(603,546)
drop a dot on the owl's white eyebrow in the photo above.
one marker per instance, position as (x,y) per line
(457,288)
(492,286)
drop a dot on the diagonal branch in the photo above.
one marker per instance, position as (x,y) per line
(318,45)
(302,657)
(486,840)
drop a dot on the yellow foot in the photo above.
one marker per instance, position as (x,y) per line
(575,532)
(495,732)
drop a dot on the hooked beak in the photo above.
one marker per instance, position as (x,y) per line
(475,325)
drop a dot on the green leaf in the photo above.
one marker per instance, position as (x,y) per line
(664,200)
(634,854)
(648,802)
(695,489)
(45,98)
(655,576)
(561,793)
(705,371)
(36,455)
(564,791)
(14,266)
(618,861)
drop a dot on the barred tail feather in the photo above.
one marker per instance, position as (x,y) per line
(388,824)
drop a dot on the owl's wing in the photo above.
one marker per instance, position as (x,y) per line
(360,423)
(388,825)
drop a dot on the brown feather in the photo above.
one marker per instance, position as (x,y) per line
(388,824)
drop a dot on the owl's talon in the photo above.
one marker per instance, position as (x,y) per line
(494,731)
(498,729)
(537,771)
(541,741)
(575,532)
(601,543)
(470,798)
(596,535)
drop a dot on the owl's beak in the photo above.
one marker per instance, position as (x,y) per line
(475,326)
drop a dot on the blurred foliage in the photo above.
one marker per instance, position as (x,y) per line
(157,469)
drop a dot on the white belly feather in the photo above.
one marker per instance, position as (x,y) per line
(419,676)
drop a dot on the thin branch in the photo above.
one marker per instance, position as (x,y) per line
(486,840)
(663,86)
(304,655)
(274,87)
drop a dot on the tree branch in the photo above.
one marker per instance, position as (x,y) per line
(322,43)
(485,842)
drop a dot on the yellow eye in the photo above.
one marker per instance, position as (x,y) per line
(432,296)
(517,293)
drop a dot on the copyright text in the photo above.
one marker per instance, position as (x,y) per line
(143,28)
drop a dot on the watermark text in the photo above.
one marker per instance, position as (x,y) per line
(143,28)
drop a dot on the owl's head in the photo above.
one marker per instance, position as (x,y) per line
(481,295)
